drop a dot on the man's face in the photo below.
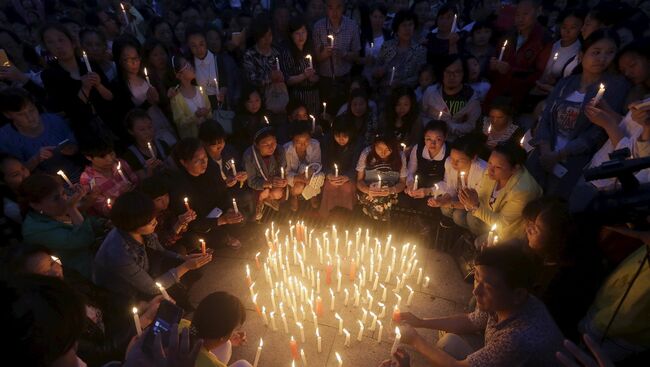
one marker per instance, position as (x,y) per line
(334,10)
(491,291)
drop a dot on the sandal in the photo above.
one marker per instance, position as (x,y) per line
(259,211)
(273,204)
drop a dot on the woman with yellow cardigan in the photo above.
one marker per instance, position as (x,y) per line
(502,194)
(190,105)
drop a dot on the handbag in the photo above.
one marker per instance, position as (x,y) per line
(277,97)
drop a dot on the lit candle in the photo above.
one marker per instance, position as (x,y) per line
(136,321)
(399,300)
(119,171)
(293,345)
(302,356)
(152,153)
(85,57)
(186,201)
(258,353)
(365,315)
(415,183)
(163,291)
(146,76)
(273,326)
(324,107)
(331,40)
(336,170)
(302,331)
(319,306)
(126,18)
(338,359)
(397,317)
(333,299)
(277,64)
(264,318)
(313,123)
(379,181)
(360,335)
(373,323)
(489,129)
(108,203)
(257,260)
(282,173)
(453,25)
(503,49)
(462,179)
(319,341)
(347,338)
(64,177)
(383,292)
(311,65)
(419,277)
(201,91)
(521,141)
(410,298)
(307,172)
(392,76)
(426,282)
(233,167)
(496,240)
(338,283)
(599,95)
(381,330)
(347,297)
(202,241)
(440,115)
(491,234)
(216,86)
(234,205)
(284,323)
(338,317)
(398,336)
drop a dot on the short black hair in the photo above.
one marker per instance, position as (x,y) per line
(154,186)
(217,315)
(470,144)
(18,255)
(44,316)
(342,126)
(37,187)
(514,153)
(14,99)
(403,16)
(260,27)
(436,125)
(194,30)
(135,115)
(299,128)
(132,210)
(94,146)
(509,259)
(185,149)
(210,131)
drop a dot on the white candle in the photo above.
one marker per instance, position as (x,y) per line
(313,123)
(163,291)
(284,323)
(201,91)
(313,314)
(306,172)
(64,177)
(282,173)
(311,65)
(152,153)
(85,57)
(119,171)
(419,277)
(319,341)
(383,292)
(347,338)
(491,234)
(599,95)
(302,356)
(365,315)
(336,170)
(264,318)
(381,330)
(453,25)
(338,317)
(216,86)
(258,353)
(398,336)
(360,335)
(272,316)
(379,181)
(373,323)
(234,205)
(347,297)
(266,119)
(426,282)
(331,40)
(333,299)
(324,107)
(415,183)
(338,359)
(136,321)
(462,179)
(126,18)
(410,298)
(503,49)
(302,331)
(277,64)
(392,76)
(383,310)
(146,76)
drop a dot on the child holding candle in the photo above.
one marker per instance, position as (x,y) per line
(94,43)
(498,125)
(303,153)
(189,106)
(107,179)
(210,68)
(148,154)
(341,151)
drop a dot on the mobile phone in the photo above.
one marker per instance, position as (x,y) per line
(4,60)
(559,170)
(167,315)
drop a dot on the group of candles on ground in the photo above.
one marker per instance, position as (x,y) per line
(371,268)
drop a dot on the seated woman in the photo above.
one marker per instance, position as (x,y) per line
(190,105)
(498,125)
(360,116)
(53,220)
(131,262)
(108,326)
(148,154)
(505,189)
(634,63)
(341,150)
(426,165)
(452,100)
(215,321)
(381,176)
(463,157)
(265,165)
(249,118)
(401,118)
(304,168)
(566,138)
(200,183)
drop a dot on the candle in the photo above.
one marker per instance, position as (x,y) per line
(410,298)
(302,331)
(277,64)
(313,123)
(163,291)
(336,170)
(216,86)
(415,183)
(397,317)
(307,172)
(331,40)
(202,241)
(324,107)
(264,318)
(392,76)
(360,335)
(234,205)
(201,91)
(365,315)
(440,115)
(293,345)
(273,326)
(311,65)
(503,49)
(399,300)
(64,177)
(146,76)
(319,306)
(257,262)
(374,321)
(521,141)
(419,276)
(426,282)
(233,167)
(282,173)
(347,338)
(266,119)
(599,95)
(383,292)
(252,290)
(462,179)
(108,203)
(453,25)
(126,18)
(347,297)
(333,299)
(489,129)
(258,353)
(381,330)
(302,356)
(378,182)
(398,336)
(284,323)
(85,57)
(187,203)
(136,321)
(319,341)
(496,239)
(119,171)
(338,317)
(152,153)
(338,359)
(338,283)
(491,234)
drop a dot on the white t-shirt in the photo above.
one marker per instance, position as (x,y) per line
(564,54)
(206,72)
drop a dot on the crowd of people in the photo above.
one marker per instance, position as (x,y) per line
(132,132)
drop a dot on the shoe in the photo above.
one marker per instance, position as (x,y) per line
(233,243)
(273,204)
(259,211)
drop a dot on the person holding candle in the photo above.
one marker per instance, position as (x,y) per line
(147,155)
(443,40)
(12,174)
(634,62)
(381,176)
(527,334)
(265,162)
(402,117)
(106,175)
(215,39)
(478,44)
(360,115)
(373,36)
(566,136)
(209,67)
(94,43)
(53,220)
(131,260)
(249,118)
(157,58)
(341,151)
(499,126)
(303,154)
(190,106)
(199,180)
(297,63)
(453,97)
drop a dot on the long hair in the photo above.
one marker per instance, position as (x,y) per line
(394,160)
(119,45)
(295,24)
(411,117)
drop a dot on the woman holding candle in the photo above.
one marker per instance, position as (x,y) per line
(360,116)
(160,74)
(148,154)
(381,176)
(131,260)
(260,62)
(402,117)
(190,105)
(265,165)
(341,152)
(210,68)
(216,41)
(373,36)
(303,153)
(249,119)
(443,40)
(297,63)
(498,126)
(94,43)
(566,138)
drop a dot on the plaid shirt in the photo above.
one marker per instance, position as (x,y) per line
(108,187)
(346,39)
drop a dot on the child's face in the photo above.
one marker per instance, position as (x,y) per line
(425,79)
(161,203)
(300,114)
(197,45)
(342,139)
(473,69)
(300,142)
(27,118)
(482,36)
(358,106)
(403,106)
(143,130)
(216,148)
(104,162)
(254,103)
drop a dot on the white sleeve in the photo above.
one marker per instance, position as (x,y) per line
(412,164)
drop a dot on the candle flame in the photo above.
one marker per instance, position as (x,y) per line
(338,357)
(134,310)
(159,285)
(494,227)
(521,142)
(397,332)
(261,342)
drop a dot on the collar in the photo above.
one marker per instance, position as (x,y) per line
(207,60)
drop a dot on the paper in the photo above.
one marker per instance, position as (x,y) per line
(215,213)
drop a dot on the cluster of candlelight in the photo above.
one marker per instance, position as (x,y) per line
(310,276)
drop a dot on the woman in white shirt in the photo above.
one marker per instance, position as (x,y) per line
(304,168)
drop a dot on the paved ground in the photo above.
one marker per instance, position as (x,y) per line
(446,294)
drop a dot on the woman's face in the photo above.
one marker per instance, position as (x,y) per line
(58,44)
(599,56)
(143,130)
(179,31)
(405,31)
(266,40)
(164,34)
(635,67)
(216,148)
(473,69)
(403,106)
(459,160)
(197,45)
(453,75)
(186,72)
(43,264)
(158,58)
(267,146)
(342,139)
(482,36)
(14,173)
(498,119)
(161,202)
(213,39)
(254,103)
(301,142)
(198,164)
(377,19)
(94,46)
(299,37)
(54,204)
(535,234)
(570,29)
(499,168)
(358,106)
(300,114)
(590,26)
(130,61)
(434,140)
(382,150)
